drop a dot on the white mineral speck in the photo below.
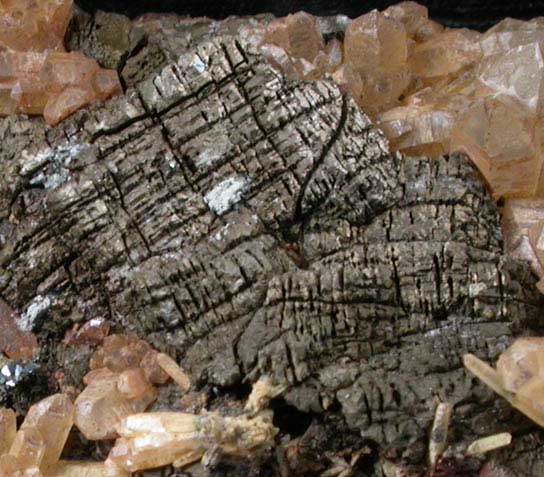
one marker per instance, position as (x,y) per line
(38,306)
(475,289)
(198,64)
(226,194)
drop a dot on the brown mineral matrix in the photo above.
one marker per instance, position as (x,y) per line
(37,76)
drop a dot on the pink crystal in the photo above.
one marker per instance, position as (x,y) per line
(501,139)
(36,75)
(376,52)
(34,25)
(102,405)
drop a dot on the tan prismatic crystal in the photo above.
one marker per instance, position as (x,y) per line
(296,45)
(155,439)
(102,405)
(53,417)
(518,377)
(171,368)
(37,26)
(10,466)
(501,139)
(29,447)
(152,370)
(133,384)
(119,353)
(85,469)
(8,429)
(376,52)
(490,443)
(521,225)
(415,18)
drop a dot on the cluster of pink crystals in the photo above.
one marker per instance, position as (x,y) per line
(436,90)
(37,76)
(120,385)
(124,372)
(35,449)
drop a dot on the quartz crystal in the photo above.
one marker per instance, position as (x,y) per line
(157,439)
(298,34)
(152,370)
(36,75)
(376,53)
(14,342)
(118,389)
(92,332)
(521,363)
(119,353)
(536,241)
(10,466)
(8,429)
(29,447)
(444,55)
(27,25)
(53,417)
(171,368)
(36,447)
(518,377)
(415,18)
(105,402)
(295,45)
(124,372)
(501,140)
(85,469)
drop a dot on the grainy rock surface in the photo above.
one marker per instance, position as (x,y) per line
(253,226)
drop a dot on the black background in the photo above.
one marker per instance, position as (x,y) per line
(472,13)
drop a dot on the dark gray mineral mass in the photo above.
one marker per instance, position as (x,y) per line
(254,226)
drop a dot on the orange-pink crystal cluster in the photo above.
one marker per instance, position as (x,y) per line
(436,90)
(35,449)
(122,380)
(37,75)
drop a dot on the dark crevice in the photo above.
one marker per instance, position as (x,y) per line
(289,419)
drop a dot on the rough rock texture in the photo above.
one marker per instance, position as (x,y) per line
(253,226)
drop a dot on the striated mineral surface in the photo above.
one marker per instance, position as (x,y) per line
(435,90)
(37,75)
